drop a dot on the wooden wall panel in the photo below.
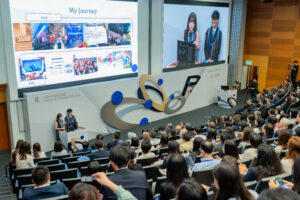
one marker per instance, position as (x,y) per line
(273,31)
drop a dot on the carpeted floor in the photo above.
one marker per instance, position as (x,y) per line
(195,117)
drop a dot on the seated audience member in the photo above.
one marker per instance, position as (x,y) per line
(154,141)
(42,188)
(246,136)
(161,131)
(173,148)
(146,147)
(37,152)
(207,159)
(229,183)
(101,152)
(295,185)
(266,164)
(85,147)
(58,149)
(251,120)
(24,159)
(282,125)
(230,149)
(196,148)
(83,191)
(227,134)
(212,135)
(145,135)
(164,141)
(133,181)
(115,142)
(187,143)
(255,141)
(134,142)
(235,122)
(177,171)
(198,133)
(182,124)
(132,165)
(169,128)
(287,102)
(15,152)
(98,137)
(190,189)
(18,145)
(297,123)
(268,131)
(180,141)
(172,136)
(293,152)
(283,138)
(259,122)
(278,194)
(94,167)
(178,129)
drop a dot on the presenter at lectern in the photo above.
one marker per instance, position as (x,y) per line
(58,125)
(70,117)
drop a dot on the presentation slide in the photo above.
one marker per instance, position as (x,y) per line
(195,33)
(73,41)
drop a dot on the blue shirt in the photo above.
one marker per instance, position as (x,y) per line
(205,163)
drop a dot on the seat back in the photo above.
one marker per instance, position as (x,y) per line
(152,172)
(102,160)
(264,183)
(162,151)
(147,161)
(56,167)
(48,162)
(70,182)
(83,169)
(271,140)
(282,154)
(203,176)
(237,141)
(35,160)
(63,174)
(69,159)
(81,153)
(62,156)
(159,181)
(19,172)
(198,159)
(247,162)
(155,151)
(251,185)
(78,164)
(25,179)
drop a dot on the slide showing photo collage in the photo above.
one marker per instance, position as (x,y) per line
(52,36)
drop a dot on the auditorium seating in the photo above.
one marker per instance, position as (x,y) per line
(147,161)
(264,183)
(203,176)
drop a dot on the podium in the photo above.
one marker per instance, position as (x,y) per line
(66,137)
(227,98)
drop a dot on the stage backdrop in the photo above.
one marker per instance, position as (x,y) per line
(86,101)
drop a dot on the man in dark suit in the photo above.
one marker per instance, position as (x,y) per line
(133,181)
(115,142)
(253,88)
(213,39)
(101,153)
(294,72)
(70,117)
(42,188)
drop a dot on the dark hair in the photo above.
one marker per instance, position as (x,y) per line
(190,189)
(197,144)
(135,142)
(58,116)
(58,146)
(152,134)
(251,118)
(83,191)
(243,124)
(173,147)
(94,167)
(161,128)
(260,122)
(176,169)
(297,131)
(207,146)
(294,112)
(230,148)
(188,126)
(244,115)
(192,17)
(69,110)
(173,133)
(284,137)
(267,162)
(36,148)
(271,111)
(255,139)
(236,120)
(278,194)
(226,135)
(120,155)
(146,146)
(117,135)
(186,136)
(293,148)
(269,130)
(18,145)
(85,145)
(215,15)
(211,134)
(24,150)
(99,144)
(144,130)
(247,131)
(230,182)
(99,136)
(164,141)
(273,120)
(40,175)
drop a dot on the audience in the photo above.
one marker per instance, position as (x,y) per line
(187,143)
(115,142)
(230,149)
(164,141)
(283,138)
(278,194)
(268,131)
(24,159)
(101,152)
(255,141)
(85,147)
(15,152)
(42,188)
(146,147)
(58,149)
(196,148)
(293,152)
(154,141)
(37,152)
(191,190)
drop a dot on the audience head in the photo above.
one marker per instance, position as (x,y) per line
(293,112)
(169,126)
(186,136)
(146,146)
(173,147)
(117,135)
(188,126)
(40,176)
(284,137)
(135,142)
(24,150)
(284,123)
(226,135)
(146,135)
(83,191)
(69,111)
(99,137)
(94,167)
(182,124)
(247,131)
(58,146)
(293,148)
(278,194)
(190,189)
(273,120)
(85,145)
(260,122)
(268,130)
(211,134)
(197,144)
(243,124)
(36,148)
(152,134)
(176,169)
(229,183)
(164,141)
(59,117)
(207,147)
(99,144)
(161,129)
(231,149)
(119,157)
(178,128)
(18,145)
(255,140)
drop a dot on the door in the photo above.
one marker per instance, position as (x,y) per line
(4,131)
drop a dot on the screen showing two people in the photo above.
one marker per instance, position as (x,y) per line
(194,34)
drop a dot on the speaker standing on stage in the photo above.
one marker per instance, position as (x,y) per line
(253,88)
(58,125)
(70,117)
(294,72)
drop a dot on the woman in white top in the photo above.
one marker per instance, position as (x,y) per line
(58,149)
(283,138)
(292,153)
(37,153)
(24,158)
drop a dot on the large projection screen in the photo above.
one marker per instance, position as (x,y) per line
(195,34)
(65,43)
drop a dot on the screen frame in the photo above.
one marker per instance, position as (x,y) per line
(199,3)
